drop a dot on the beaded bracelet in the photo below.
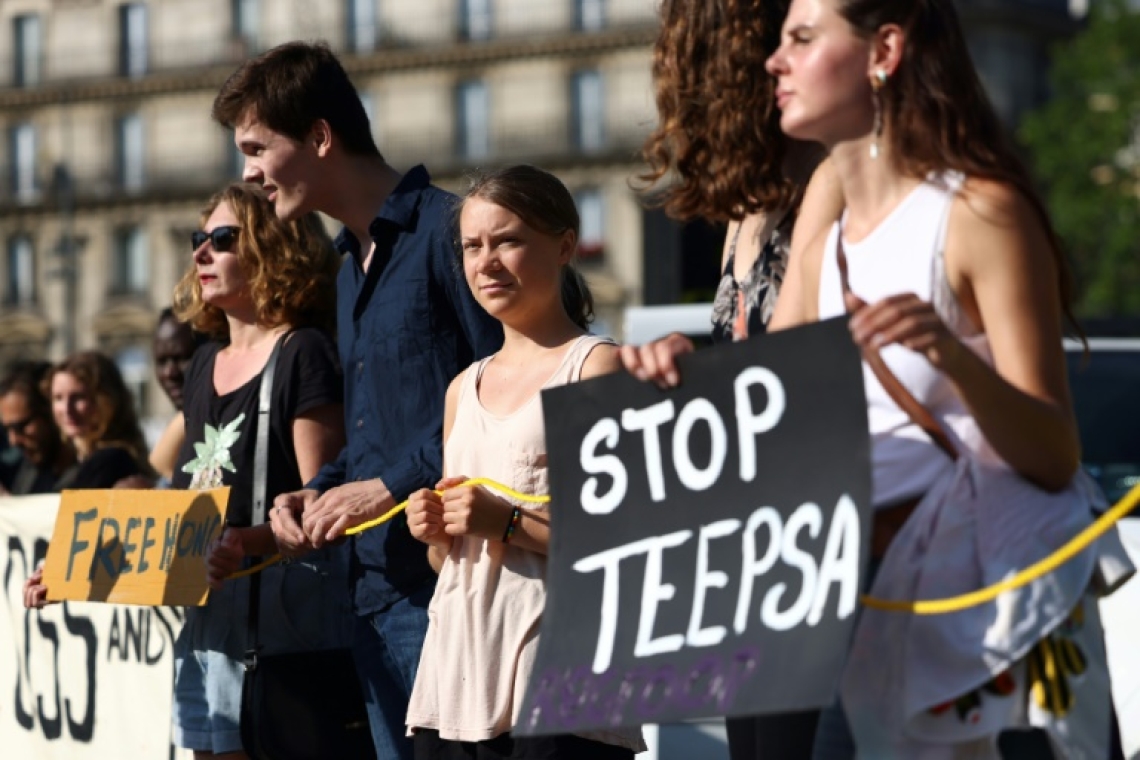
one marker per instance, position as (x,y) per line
(516,513)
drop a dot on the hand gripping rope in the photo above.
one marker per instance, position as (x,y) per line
(493,485)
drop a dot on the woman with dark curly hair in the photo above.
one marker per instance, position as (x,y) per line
(255,282)
(719,151)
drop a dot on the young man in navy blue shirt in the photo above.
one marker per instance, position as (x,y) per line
(406,325)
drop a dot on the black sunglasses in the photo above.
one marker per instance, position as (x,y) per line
(222,239)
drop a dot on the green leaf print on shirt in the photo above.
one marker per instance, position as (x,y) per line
(214,455)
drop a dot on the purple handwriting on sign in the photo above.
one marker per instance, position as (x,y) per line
(569,698)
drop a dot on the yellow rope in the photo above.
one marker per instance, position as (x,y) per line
(493,485)
(1077,544)
(256,568)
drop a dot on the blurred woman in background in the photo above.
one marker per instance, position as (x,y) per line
(95,413)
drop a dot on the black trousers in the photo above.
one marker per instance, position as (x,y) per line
(506,747)
(787,736)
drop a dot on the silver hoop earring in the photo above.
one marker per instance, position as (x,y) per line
(878,82)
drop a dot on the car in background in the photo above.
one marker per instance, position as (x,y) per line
(1105,384)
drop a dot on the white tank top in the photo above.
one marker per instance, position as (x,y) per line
(904,254)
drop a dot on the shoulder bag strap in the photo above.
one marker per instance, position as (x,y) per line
(918,413)
(260,471)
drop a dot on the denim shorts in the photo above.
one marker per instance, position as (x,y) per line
(304,606)
(208,672)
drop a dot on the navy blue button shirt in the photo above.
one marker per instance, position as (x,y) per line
(404,330)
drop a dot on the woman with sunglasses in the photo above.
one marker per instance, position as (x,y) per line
(254,282)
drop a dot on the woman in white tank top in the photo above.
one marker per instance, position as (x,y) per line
(955,272)
(519,231)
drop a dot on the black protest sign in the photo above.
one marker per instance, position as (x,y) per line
(708,541)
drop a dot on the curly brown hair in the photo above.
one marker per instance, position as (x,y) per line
(291,268)
(718,142)
(937,113)
(114,422)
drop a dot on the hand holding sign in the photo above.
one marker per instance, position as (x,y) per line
(224,558)
(717,530)
(35,592)
(657,361)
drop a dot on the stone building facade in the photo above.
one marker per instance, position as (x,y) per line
(107,150)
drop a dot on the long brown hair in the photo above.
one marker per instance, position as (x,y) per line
(545,205)
(114,422)
(937,112)
(291,267)
(718,133)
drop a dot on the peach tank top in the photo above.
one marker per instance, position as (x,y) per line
(484,617)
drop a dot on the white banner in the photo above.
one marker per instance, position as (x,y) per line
(78,680)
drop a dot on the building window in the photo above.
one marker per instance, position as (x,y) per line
(129,262)
(589,15)
(588,111)
(362,30)
(21,271)
(22,139)
(27,68)
(132,40)
(475,19)
(246,22)
(130,152)
(592,224)
(473,127)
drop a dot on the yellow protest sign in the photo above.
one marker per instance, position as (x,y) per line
(134,547)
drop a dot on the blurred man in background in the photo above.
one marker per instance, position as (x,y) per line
(25,413)
(174,345)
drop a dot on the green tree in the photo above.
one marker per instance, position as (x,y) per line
(1085,146)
